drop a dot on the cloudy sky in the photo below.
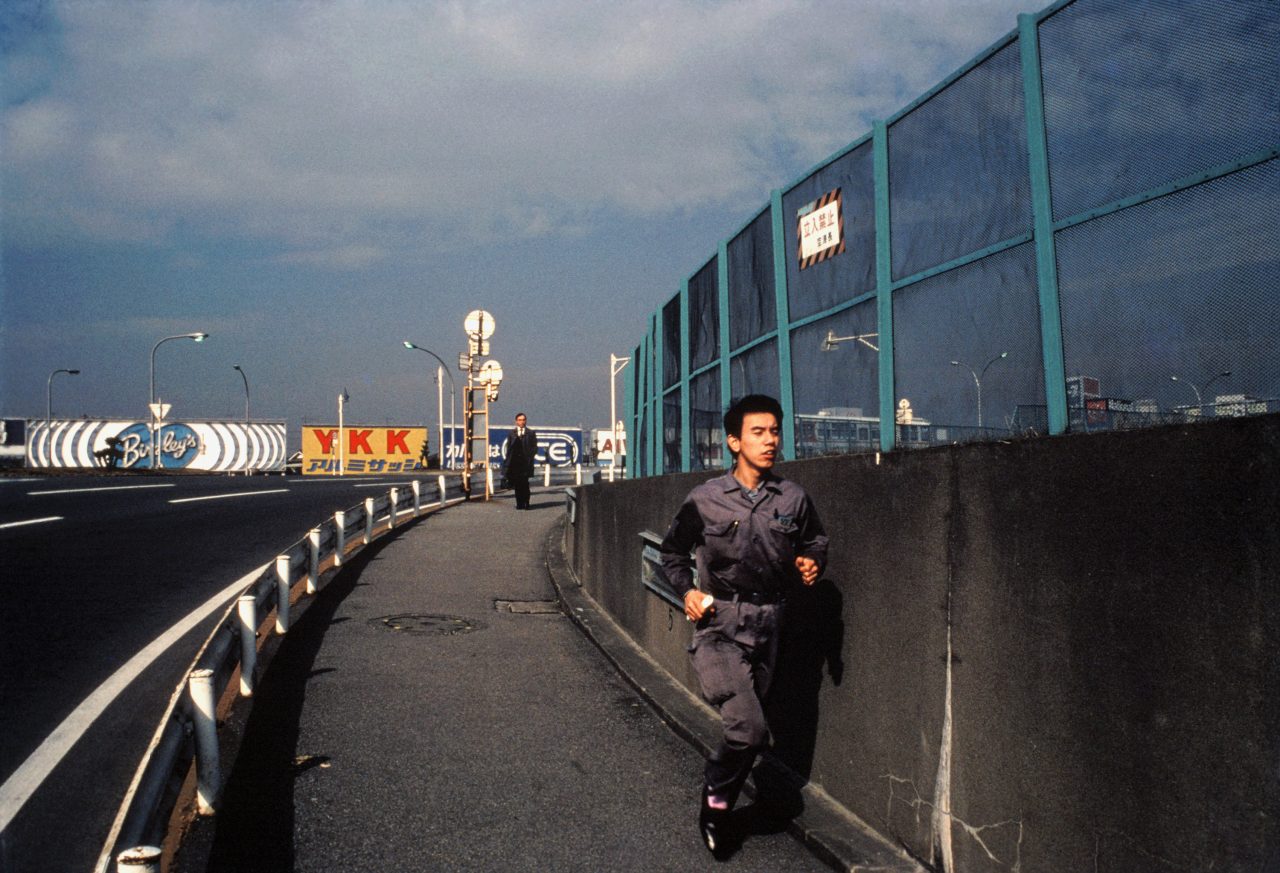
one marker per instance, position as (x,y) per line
(314,182)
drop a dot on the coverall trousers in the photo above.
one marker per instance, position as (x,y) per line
(734,651)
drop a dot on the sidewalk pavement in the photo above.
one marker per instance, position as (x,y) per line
(434,709)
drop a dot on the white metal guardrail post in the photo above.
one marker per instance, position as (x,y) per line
(340,528)
(313,560)
(139,859)
(611,472)
(546,475)
(368,520)
(391,516)
(282,593)
(417,498)
(441,485)
(247,608)
(204,713)
(577,474)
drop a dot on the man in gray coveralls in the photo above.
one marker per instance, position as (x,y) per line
(757,537)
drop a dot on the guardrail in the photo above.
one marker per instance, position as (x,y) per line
(189,726)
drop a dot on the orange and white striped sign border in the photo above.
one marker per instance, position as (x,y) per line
(837,247)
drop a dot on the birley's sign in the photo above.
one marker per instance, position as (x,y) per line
(175,446)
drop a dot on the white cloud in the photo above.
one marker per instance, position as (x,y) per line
(313,122)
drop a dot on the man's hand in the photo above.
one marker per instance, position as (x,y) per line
(696,604)
(808,568)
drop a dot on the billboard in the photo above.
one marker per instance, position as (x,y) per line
(213,446)
(362,450)
(557,446)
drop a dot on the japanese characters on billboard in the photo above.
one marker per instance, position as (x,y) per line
(362,450)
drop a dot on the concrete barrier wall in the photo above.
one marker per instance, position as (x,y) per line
(1058,654)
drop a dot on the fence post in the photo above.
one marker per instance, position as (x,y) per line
(340,544)
(204,714)
(368,520)
(282,593)
(488,479)
(139,859)
(391,516)
(611,472)
(313,560)
(247,609)
(443,490)
(417,498)
(546,475)
(577,474)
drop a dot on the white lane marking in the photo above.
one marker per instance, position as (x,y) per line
(378,484)
(31,521)
(19,787)
(224,496)
(19,481)
(103,488)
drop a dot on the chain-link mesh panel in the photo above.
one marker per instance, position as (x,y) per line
(835,387)
(755,371)
(708,421)
(671,432)
(1184,286)
(752,310)
(958,168)
(853,272)
(671,342)
(1141,94)
(704,316)
(642,459)
(967,353)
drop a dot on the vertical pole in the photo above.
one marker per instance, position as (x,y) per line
(783,309)
(394,497)
(630,403)
(139,859)
(282,593)
(340,543)
(247,611)
(204,714)
(726,344)
(686,418)
(884,287)
(1055,378)
(341,438)
(313,560)
(441,485)
(657,455)
(417,498)
(368,520)
(439,418)
(546,474)
(577,474)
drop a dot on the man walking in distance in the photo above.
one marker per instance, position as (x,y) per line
(757,537)
(517,463)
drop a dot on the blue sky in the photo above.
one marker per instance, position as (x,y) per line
(312,183)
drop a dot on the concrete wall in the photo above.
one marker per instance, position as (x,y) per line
(1059,654)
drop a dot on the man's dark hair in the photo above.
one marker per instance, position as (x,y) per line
(518,414)
(751,403)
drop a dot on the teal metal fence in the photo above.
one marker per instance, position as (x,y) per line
(1076,231)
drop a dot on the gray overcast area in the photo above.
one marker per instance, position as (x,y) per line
(313,183)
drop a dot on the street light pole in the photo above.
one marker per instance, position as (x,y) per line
(238,369)
(199,337)
(1200,392)
(616,366)
(453,396)
(977,379)
(48,404)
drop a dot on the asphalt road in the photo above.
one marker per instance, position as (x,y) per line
(121,560)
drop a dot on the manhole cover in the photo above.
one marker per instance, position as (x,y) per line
(437,625)
(528,607)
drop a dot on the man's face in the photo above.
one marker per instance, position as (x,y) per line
(760,440)
(519,421)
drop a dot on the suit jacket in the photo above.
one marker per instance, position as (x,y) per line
(519,452)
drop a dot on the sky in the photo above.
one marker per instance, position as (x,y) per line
(313,183)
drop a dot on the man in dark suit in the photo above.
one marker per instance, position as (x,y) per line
(517,459)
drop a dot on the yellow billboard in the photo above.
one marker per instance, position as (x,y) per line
(362,450)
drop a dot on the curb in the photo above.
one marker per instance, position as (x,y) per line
(831,832)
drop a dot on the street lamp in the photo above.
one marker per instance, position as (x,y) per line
(977,379)
(198,337)
(238,369)
(1204,389)
(616,366)
(48,404)
(832,341)
(453,396)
